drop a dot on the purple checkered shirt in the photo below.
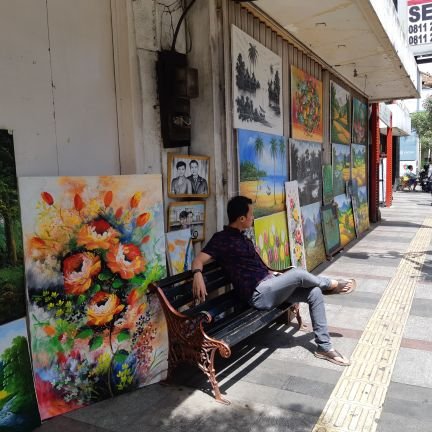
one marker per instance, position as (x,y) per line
(239,259)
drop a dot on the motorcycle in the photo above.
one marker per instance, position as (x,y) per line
(425,181)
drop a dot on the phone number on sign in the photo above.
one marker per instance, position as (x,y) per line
(420,33)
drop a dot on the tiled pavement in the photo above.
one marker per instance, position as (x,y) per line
(275,383)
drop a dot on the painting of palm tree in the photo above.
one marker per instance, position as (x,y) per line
(257,85)
(263,170)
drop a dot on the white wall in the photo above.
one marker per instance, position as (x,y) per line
(69,127)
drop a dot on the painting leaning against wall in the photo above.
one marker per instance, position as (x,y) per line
(360,122)
(340,114)
(346,219)
(341,162)
(92,246)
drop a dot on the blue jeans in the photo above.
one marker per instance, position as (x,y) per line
(297,286)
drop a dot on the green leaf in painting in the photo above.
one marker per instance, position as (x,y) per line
(84,334)
(123,335)
(95,342)
(104,276)
(81,299)
(117,283)
(121,356)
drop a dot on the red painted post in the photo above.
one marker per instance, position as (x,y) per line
(389,171)
(374,164)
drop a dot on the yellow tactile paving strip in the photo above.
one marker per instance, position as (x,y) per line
(357,400)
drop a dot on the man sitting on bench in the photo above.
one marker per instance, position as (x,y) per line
(261,287)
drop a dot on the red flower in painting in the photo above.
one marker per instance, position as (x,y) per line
(47,197)
(78,271)
(125,259)
(102,308)
(98,234)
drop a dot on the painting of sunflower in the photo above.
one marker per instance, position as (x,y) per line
(92,247)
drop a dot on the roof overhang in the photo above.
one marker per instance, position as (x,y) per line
(361,41)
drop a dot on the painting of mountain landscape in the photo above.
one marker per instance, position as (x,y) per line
(341,161)
(340,112)
(313,235)
(263,162)
(305,159)
(257,85)
(360,122)
(346,219)
(358,160)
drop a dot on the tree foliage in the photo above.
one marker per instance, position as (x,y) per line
(421,122)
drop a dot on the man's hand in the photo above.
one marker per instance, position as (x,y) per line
(198,287)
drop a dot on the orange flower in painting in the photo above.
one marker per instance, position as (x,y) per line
(119,212)
(37,243)
(142,219)
(78,202)
(108,198)
(146,239)
(98,234)
(135,200)
(125,259)
(47,197)
(102,308)
(78,271)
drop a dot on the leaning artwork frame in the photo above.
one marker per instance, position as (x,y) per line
(180,252)
(346,219)
(188,176)
(359,122)
(188,214)
(256,85)
(92,246)
(358,164)
(340,114)
(330,225)
(341,163)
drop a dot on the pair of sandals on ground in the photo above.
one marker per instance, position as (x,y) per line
(344,286)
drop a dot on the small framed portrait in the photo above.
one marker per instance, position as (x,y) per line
(188,176)
(187,214)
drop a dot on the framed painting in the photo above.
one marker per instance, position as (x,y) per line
(330,226)
(340,114)
(306,106)
(358,163)
(306,168)
(327,184)
(188,176)
(346,219)
(272,242)
(295,227)
(12,284)
(92,247)
(360,122)
(341,167)
(313,236)
(362,209)
(19,409)
(180,252)
(257,85)
(187,214)
(263,160)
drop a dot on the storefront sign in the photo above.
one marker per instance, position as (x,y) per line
(384,114)
(420,26)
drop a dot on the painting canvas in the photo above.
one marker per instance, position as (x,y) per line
(187,214)
(362,209)
(330,226)
(346,219)
(11,246)
(18,405)
(341,167)
(306,106)
(313,236)
(327,184)
(188,176)
(272,242)
(263,162)
(340,114)
(305,159)
(295,227)
(92,247)
(358,161)
(257,85)
(180,252)
(360,122)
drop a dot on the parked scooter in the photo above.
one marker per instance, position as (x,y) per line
(425,180)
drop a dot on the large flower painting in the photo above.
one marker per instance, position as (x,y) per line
(92,246)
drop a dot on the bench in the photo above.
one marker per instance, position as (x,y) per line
(197,331)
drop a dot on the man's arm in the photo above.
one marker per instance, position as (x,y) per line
(198,286)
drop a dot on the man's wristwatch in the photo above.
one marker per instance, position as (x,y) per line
(196,271)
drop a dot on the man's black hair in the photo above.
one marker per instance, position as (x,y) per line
(410,167)
(183,214)
(238,206)
(193,161)
(180,163)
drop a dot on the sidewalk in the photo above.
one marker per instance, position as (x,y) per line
(275,383)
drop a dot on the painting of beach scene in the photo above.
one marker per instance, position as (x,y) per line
(18,405)
(340,113)
(358,161)
(306,106)
(346,219)
(313,236)
(263,170)
(341,161)
(360,122)
(330,226)
(271,240)
(305,160)
(92,246)
(257,85)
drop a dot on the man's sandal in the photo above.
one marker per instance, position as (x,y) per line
(342,284)
(333,356)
